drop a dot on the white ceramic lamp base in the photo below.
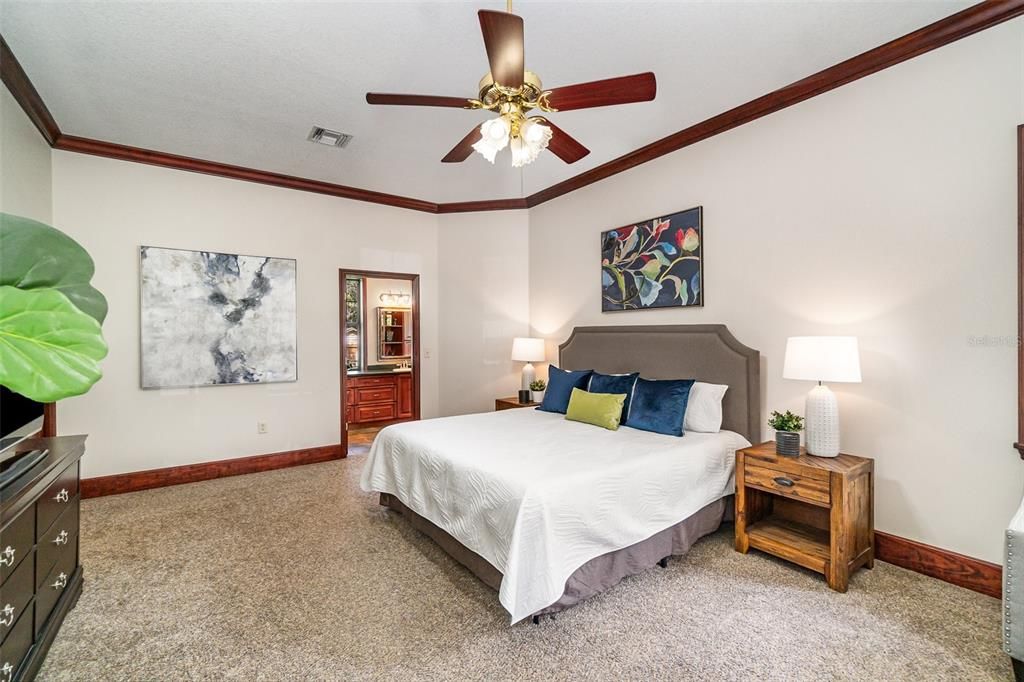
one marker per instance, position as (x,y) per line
(528,376)
(822,413)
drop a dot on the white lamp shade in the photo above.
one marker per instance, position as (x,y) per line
(822,358)
(527,350)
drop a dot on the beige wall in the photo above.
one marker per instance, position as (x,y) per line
(113,207)
(25,175)
(484,270)
(885,209)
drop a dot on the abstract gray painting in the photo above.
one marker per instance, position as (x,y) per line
(216,318)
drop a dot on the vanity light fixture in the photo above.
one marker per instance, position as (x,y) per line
(390,298)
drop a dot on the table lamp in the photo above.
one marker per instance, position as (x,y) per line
(822,358)
(528,351)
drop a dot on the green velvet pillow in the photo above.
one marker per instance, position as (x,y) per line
(599,409)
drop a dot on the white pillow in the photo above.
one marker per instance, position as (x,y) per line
(704,408)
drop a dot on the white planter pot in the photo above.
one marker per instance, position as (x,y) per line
(538,396)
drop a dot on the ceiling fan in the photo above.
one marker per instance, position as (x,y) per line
(511,91)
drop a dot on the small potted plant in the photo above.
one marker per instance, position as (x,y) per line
(787,432)
(537,388)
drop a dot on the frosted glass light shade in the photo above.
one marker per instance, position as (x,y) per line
(822,358)
(527,350)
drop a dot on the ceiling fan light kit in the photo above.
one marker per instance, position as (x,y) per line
(511,91)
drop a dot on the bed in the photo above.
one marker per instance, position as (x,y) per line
(550,512)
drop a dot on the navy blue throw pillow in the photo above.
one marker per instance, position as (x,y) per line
(659,405)
(560,385)
(614,383)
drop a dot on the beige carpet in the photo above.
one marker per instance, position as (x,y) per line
(298,575)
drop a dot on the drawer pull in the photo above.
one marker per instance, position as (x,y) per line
(8,556)
(62,496)
(61,582)
(6,672)
(8,618)
(788,482)
(61,539)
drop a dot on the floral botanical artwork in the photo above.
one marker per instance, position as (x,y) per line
(216,318)
(654,264)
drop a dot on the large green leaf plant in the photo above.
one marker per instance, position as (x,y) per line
(51,339)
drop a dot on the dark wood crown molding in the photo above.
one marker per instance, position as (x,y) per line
(26,95)
(118,151)
(952,28)
(485,205)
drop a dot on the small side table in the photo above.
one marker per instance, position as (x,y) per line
(817,512)
(511,403)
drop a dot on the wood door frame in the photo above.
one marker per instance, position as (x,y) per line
(1020,291)
(414,279)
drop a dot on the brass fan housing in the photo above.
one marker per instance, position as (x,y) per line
(496,97)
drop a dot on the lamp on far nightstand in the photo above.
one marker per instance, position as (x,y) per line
(527,350)
(822,358)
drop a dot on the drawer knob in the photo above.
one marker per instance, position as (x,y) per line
(61,582)
(62,496)
(788,482)
(7,557)
(7,620)
(61,539)
(6,672)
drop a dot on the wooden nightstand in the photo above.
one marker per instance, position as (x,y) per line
(511,403)
(817,512)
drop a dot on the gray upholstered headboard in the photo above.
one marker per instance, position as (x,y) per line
(706,352)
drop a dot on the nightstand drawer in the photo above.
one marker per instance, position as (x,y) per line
(813,490)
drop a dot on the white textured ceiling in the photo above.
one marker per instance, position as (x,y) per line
(243,82)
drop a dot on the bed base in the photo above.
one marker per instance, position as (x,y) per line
(599,573)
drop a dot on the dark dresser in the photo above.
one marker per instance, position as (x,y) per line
(40,575)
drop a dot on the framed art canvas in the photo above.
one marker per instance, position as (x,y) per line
(658,263)
(216,318)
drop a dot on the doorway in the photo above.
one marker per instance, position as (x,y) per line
(379,347)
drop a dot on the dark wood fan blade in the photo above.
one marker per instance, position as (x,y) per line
(503,39)
(565,146)
(464,148)
(417,100)
(623,90)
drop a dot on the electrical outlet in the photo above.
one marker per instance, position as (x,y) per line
(261,427)
(426,353)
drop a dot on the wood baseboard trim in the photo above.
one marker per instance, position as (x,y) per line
(958,569)
(205,471)
(935,562)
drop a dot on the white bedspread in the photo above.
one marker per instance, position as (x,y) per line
(538,496)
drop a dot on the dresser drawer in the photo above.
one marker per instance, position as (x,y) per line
(61,535)
(15,594)
(813,490)
(372,413)
(56,581)
(378,394)
(16,540)
(17,644)
(363,382)
(56,499)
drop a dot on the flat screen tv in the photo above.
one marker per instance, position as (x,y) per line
(19,419)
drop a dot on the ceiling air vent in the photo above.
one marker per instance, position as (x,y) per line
(331,138)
